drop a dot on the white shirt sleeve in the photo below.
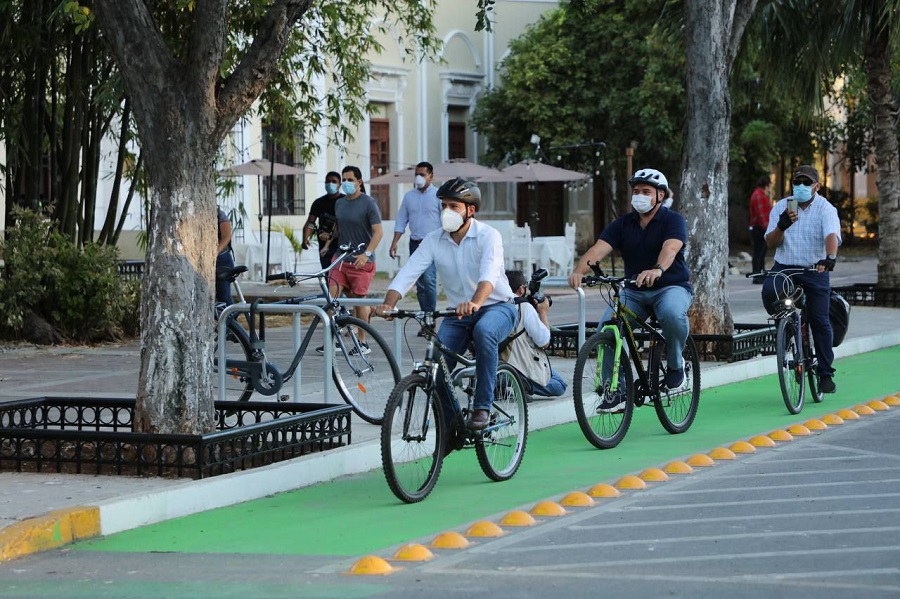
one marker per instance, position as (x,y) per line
(535,329)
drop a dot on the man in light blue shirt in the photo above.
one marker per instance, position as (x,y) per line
(468,255)
(421,210)
(805,237)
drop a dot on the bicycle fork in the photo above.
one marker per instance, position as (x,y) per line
(598,372)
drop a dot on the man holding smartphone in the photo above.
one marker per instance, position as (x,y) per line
(805,230)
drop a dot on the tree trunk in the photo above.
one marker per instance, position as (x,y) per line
(713,29)
(878,72)
(175,387)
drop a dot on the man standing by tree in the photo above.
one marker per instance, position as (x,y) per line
(811,235)
(421,210)
(322,220)
(760,206)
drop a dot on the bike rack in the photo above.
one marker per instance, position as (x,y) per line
(296,310)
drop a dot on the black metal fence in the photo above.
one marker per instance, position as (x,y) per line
(748,341)
(94,436)
(867,294)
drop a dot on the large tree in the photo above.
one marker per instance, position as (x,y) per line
(850,36)
(713,31)
(189,87)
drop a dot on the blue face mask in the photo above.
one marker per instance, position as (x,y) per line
(331,188)
(803,193)
(348,187)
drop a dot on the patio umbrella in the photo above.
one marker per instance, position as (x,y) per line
(456,167)
(260,167)
(532,171)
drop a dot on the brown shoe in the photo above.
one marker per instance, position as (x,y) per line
(478,420)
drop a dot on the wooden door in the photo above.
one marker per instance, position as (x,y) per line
(380,162)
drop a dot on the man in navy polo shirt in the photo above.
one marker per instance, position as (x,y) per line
(651,241)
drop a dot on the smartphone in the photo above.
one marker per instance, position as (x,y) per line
(792,205)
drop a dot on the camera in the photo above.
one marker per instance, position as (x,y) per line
(535,294)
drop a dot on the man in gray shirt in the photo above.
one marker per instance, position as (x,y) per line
(358,221)
(421,210)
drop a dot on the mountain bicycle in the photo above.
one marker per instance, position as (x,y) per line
(363,371)
(424,420)
(605,390)
(794,348)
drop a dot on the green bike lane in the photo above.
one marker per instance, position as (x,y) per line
(357,515)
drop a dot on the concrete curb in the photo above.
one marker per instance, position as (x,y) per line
(58,528)
(64,526)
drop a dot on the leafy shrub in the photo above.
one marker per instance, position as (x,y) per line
(77,291)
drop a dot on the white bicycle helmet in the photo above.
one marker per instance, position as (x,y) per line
(652,177)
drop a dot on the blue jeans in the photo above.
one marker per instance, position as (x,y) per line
(817,287)
(670,304)
(555,387)
(486,329)
(426,285)
(223,288)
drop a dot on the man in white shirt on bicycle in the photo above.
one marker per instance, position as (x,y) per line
(809,235)
(468,256)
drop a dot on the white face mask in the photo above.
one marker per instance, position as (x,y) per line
(420,181)
(451,221)
(641,203)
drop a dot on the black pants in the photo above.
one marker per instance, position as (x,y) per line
(759,248)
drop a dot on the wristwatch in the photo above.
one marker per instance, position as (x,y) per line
(832,256)
(367,254)
(661,269)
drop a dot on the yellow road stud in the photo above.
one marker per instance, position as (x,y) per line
(371,565)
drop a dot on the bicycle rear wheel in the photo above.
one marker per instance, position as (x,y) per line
(790,364)
(412,439)
(501,447)
(602,425)
(365,373)
(676,408)
(238,386)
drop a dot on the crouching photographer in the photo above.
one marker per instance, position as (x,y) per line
(523,349)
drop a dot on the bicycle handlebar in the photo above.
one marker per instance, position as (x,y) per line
(292,278)
(784,271)
(594,280)
(420,314)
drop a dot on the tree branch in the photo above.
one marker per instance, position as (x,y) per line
(238,92)
(743,12)
(207,45)
(144,59)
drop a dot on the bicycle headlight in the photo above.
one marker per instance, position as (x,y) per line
(788,302)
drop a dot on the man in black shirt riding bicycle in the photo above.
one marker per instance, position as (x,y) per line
(651,240)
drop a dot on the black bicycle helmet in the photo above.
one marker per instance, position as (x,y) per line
(461,190)
(653,177)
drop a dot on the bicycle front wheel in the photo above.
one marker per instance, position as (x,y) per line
(676,408)
(412,439)
(791,373)
(604,415)
(365,372)
(238,385)
(502,445)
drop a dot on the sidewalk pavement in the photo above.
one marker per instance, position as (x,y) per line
(42,511)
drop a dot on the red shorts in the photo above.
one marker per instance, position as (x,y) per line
(357,280)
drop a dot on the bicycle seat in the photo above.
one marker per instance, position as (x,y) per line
(230,273)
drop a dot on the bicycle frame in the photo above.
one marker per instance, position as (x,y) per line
(435,364)
(620,320)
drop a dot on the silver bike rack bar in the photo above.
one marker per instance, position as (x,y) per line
(296,310)
(561,282)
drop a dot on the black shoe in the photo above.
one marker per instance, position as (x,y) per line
(674,378)
(478,420)
(826,384)
(758,281)
(613,402)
